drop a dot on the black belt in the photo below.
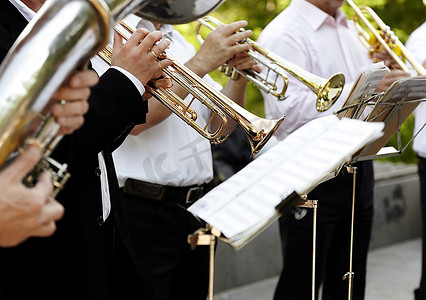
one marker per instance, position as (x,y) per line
(180,195)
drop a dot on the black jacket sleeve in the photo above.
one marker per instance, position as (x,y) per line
(115,106)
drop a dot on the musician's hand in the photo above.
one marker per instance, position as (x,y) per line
(24,211)
(390,78)
(139,54)
(242,61)
(220,46)
(162,82)
(387,59)
(71,100)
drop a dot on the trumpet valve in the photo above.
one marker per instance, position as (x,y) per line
(230,72)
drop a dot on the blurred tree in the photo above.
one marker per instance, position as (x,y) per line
(403,16)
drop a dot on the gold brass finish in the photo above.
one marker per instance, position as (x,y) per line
(65,34)
(258,130)
(382,38)
(327,90)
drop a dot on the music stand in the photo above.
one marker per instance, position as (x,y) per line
(206,236)
(392,108)
(252,199)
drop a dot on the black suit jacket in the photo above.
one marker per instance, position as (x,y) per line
(71,264)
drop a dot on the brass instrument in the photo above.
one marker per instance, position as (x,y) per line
(62,36)
(382,38)
(258,130)
(327,90)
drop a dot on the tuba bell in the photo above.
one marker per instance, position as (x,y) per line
(257,130)
(382,38)
(62,36)
(327,90)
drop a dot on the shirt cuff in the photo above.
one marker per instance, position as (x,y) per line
(132,78)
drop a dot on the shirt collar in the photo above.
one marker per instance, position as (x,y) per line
(315,17)
(23,9)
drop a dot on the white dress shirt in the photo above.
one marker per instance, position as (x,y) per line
(416,44)
(171,152)
(315,41)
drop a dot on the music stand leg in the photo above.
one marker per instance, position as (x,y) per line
(314,205)
(206,236)
(211,266)
(350,275)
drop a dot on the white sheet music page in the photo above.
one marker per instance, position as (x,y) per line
(248,199)
(367,81)
(407,89)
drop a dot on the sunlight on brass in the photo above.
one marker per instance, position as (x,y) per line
(326,90)
(258,130)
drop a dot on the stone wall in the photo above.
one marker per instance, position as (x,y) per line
(397,204)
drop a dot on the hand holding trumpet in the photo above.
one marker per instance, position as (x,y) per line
(221,46)
(139,54)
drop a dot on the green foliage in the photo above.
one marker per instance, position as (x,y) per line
(403,16)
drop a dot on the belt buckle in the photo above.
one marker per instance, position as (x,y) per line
(188,194)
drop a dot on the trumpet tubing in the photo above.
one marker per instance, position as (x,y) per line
(257,130)
(63,35)
(262,81)
(327,90)
(383,38)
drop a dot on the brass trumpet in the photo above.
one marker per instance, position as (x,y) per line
(258,130)
(382,38)
(62,45)
(327,90)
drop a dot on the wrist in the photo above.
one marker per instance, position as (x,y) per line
(198,66)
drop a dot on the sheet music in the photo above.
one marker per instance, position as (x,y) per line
(407,89)
(393,108)
(367,81)
(248,199)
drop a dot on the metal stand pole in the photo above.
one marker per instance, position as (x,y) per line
(314,205)
(206,236)
(350,275)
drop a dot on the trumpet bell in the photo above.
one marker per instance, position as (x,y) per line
(257,130)
(329,92)
(263,129)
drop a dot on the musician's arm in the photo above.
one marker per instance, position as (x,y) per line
(24,211)
(214,52)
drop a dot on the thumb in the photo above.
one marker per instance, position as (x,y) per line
(23,164)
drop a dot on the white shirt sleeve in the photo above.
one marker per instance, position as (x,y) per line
(133,78)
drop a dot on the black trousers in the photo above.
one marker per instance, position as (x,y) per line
(332,240)
(152,258)
(421,291)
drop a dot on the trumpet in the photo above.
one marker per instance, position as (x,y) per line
(63,44)
(382,38)
(326,90)
(257,130)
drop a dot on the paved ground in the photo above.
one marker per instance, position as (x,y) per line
(393,274)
